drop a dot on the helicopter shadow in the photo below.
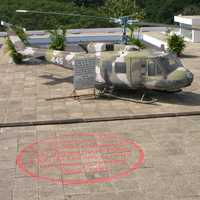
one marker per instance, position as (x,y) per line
(188,56)
(54,80)
(186,98)
(34,61)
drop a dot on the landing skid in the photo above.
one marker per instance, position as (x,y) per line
(168,92)
(110,94)
(175,91)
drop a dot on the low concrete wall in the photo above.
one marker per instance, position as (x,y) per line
(153,29)
(154,41)
(78,39)
(196,36)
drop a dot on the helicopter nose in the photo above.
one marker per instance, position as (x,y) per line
(190,77)
(181,77)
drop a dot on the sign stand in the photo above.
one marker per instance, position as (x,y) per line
(77,96)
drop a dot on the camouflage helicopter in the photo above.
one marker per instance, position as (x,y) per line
(119,65)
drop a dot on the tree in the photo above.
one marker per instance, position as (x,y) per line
(117,8)
(132,29)
(191,10)
(164,10)
(155,11)
(176,44)
(88,2)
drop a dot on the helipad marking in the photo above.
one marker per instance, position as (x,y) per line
(60,160)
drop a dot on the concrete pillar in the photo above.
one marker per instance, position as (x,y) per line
(196,36)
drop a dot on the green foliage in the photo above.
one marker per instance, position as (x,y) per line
(156,11)
(176,44)
(132,29)
(164,10)
(191,10)
(57,40)
(131,39)
(21,34)
(117,8)
(17,57)
(88,2)
(137,42)
(50,22)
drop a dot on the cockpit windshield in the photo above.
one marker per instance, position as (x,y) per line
(162,65)
(153,67)
(169,63)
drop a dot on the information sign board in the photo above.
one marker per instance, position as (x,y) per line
(84,73)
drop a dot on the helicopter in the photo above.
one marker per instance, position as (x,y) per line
(118,66)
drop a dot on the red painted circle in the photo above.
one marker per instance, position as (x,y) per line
(81,158)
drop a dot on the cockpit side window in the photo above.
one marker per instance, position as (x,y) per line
(120,67)
(159,71)
(169,63)
(153,68)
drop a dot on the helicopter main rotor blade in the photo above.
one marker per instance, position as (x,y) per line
(66,14)
(113,19)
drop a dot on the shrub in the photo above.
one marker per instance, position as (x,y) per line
(17,57)
(176,44)
(132,39)
(137,42)
(57,40)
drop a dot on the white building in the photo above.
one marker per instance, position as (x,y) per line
(189,27)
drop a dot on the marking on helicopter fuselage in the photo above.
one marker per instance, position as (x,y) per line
(98,47)
(99,78)
(70,57)
(28,51)
(123,77)
(121,57)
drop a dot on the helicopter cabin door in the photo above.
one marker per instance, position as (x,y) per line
(137,72)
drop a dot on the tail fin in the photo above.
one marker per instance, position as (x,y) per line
(18,38)
(13,36)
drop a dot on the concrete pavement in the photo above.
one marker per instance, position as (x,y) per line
(170,170)
(171,145)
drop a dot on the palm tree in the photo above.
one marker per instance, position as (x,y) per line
(57,39)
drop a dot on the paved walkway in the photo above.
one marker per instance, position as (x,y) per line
(170,145)
(171,169)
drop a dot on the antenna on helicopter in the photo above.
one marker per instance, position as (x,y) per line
(123,21)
